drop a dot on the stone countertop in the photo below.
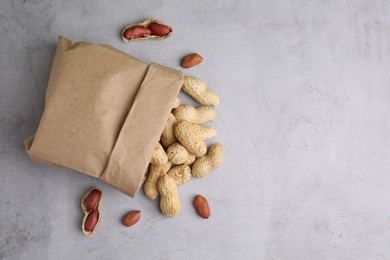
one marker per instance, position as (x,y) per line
(304,119)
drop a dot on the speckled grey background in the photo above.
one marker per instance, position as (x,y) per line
(305,120)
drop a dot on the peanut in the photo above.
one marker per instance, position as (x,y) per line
(131,218)
(90,205)
(159,29)
(178,154)
(147,29)
(194,115)
(136,32)
(202,206)
(211,161)
(177,103)
(159,156)
(92,199)
(155,171)
(191,60)
(197,89)
(91,221)
(181,174)
(192,137)
(169,202)
(168,135)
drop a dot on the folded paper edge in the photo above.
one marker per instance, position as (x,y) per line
(116,165)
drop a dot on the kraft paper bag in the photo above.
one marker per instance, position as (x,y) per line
(104,113)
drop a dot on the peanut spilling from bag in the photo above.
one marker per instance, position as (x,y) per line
(90,206)
(182,146)
(170,204)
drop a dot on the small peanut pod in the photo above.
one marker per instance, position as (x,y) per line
(155,172)
(168,135)
(211,161)
(197,89)
(192,137)
(170,204)
(181,174)
(90,206)
(148,29)
(178,154)
(159,156)
(177,103)
(194,115)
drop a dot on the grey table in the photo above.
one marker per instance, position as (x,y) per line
(305,121)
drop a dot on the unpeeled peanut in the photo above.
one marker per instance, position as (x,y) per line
(168,134)
(197,89)
(159,156)
(177,103)
(181,174)
(170,204)
(192,137)
(194,115)
(178,154)
(155,172)
(211,161)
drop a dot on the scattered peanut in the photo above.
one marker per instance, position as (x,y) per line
(178,154)
(136,32)
(159,29)
(181,174)
(90,206)
(169,202)
(202,206)
(131,218)
(155,171)
(211,161)
(194,115)
(191,60)
(197,89)
(91,200)
(168,134)
(159,156)
(148,29)
(91,222)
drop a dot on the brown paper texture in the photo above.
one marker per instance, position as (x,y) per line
(104,113)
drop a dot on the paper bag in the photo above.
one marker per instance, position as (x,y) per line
(104,113)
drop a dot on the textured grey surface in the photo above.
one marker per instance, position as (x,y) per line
(305,120)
